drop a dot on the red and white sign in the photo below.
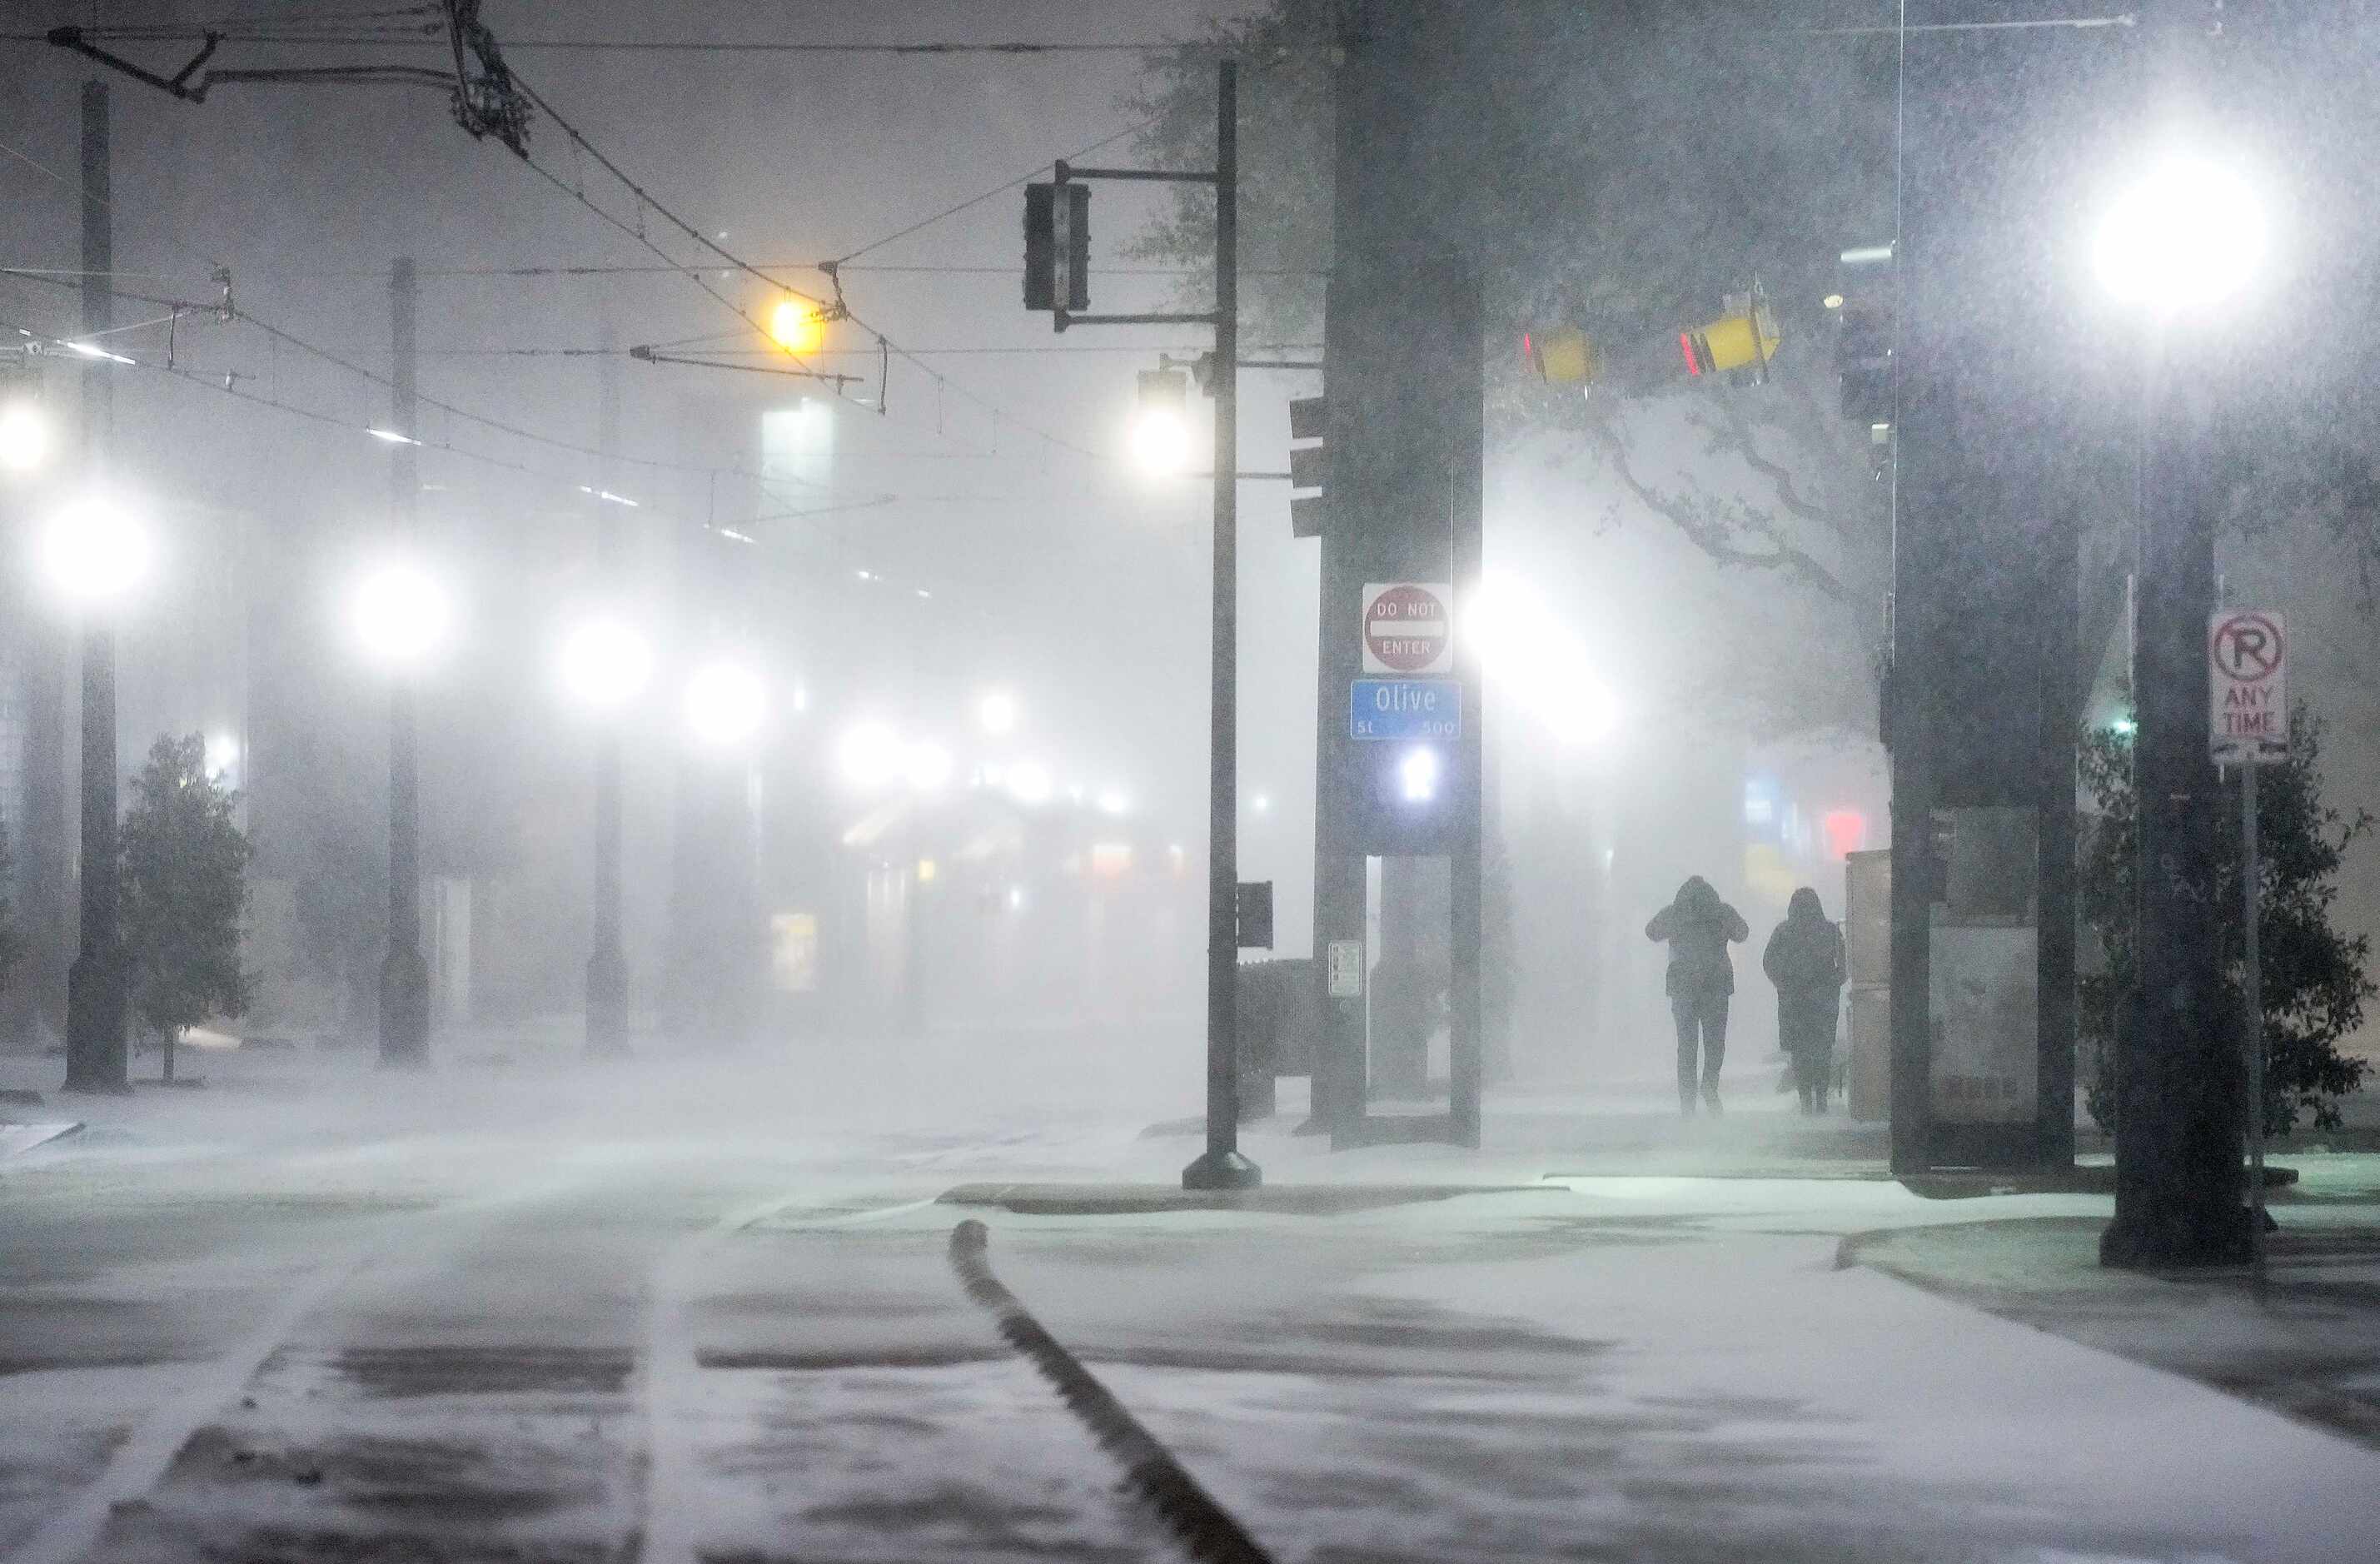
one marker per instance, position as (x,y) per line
(2247,663)
(1408,627)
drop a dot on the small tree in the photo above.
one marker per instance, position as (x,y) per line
(184,887)
(2315,981)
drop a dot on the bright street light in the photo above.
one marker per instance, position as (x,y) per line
(1160,441)
(222,753)
(1115,801)
(1029,783)
(724,702)
(27,436)
(1417,775)
(96,552)
(606,664)
(997,712)
(871,755)
(1538,661)
(2188,235)
(401,614)
(797,326)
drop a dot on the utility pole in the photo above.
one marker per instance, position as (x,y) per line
(96,1056)
(1222,1167)
(607,962)
(404,975)
(2179,1114)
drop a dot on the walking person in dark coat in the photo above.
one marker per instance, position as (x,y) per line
(1804,959)
(1699,927)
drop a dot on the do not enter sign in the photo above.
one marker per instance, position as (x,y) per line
(1408,627)
(2247,663)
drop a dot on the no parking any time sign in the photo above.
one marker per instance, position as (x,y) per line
(2247,660)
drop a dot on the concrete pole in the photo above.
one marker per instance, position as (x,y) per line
(607,961)
(96,1056)
(405,974)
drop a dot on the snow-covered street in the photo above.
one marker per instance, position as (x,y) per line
(494,1313)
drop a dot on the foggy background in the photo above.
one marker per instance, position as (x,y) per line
(982,531)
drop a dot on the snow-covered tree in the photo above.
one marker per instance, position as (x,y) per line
(185,888)
(2317,977)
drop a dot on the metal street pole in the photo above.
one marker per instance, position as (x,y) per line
(607,962)
(404,975)
(1222,1167)
(2251,880)
(96,1056)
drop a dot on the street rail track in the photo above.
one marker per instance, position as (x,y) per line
(1204,1529)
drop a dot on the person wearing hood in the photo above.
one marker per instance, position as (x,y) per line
(1804,959)
(1699,927)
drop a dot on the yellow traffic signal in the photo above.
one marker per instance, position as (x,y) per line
(1562,356)
(1730,343)
(798,326)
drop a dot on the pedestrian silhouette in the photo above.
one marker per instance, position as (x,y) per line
(1804,959)
(1699,927)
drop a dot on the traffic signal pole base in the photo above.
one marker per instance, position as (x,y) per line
(405,1010)
(607,1004)
(2179,1244)
(1222,1169)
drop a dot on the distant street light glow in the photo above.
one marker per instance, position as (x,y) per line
(27,436)
(1115,801)
(401,614)
(2187,236)
(223,754)
(927,766)
(96,552)
(871,755)
(997,713)
(725,703)
(1029,783)
(606,664)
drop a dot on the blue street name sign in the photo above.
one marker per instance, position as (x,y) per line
(1406,709)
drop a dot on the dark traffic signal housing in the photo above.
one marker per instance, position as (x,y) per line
(1058,247)
(1866,307)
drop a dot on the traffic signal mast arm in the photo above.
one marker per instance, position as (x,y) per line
(1066,257)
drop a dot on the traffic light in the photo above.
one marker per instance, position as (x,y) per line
(1309,466)
(1866,309)
(1562,356)
(1745,337)
(1058,247)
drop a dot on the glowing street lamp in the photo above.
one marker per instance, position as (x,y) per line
(2188,235)
(402,614)
(927,766)
(96,552)
(606,664)
(997,713)
(1160,424)
(27,435)
(725,703)
(798,326)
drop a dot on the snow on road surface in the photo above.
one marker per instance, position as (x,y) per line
(539,1331)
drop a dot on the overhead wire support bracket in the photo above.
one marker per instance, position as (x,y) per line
(648,355)
(177,84)
(1067,172)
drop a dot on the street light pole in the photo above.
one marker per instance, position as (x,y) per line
(96,1056)
(1222,1166)
(404,975)
(607,962)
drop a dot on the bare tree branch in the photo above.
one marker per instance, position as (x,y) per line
(1714,529)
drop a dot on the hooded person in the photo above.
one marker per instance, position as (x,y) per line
(1699,927)
(1804,959)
